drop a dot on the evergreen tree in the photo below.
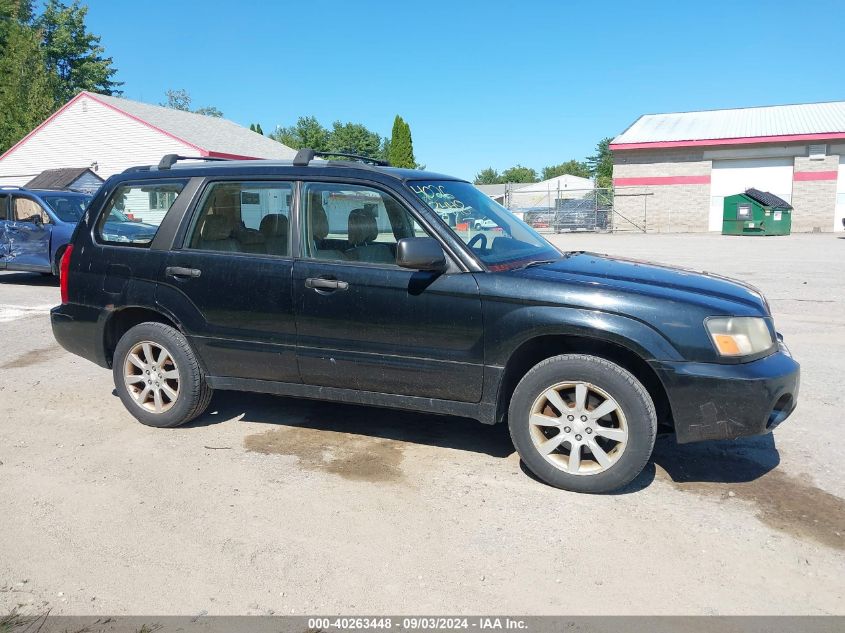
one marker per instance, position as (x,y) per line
(256,127)
(26,87)
(401,146)
(72,53)
(601,164)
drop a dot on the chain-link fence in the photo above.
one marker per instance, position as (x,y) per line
(570,210)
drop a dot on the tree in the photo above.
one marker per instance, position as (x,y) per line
(488,176)
(354,138)
(570,167)
(400,148)
(308,132)
(179,99)
(518,173)
(601,164)
(26,87)
(72,53)
(256,127)
(209,111)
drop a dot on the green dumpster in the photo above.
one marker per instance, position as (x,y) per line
(756,212)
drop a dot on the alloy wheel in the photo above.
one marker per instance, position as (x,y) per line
(578,428)
(151,377)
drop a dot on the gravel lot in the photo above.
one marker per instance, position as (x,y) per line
(273,505)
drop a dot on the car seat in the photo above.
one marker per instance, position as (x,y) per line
(274,227)
(363,232)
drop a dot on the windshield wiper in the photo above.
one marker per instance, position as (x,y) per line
(539,262)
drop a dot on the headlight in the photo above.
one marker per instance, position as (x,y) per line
(740,336)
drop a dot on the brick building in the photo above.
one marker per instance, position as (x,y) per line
(671,172)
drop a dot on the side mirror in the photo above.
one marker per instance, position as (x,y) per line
(420,253)
(36,219)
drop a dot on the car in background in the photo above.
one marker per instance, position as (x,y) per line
(37,224)
(485,224)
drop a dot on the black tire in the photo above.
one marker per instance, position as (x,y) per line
(633,400)
(194,394)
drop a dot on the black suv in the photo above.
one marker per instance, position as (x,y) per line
(361,283)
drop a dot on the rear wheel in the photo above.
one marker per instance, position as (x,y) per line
(582,423)
(158,377)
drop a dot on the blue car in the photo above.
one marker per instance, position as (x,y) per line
(36,225)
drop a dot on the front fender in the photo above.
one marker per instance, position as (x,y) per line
(506,331)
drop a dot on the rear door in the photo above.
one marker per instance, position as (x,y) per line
(4,236)
(229,282)
(363,322)
(29,235)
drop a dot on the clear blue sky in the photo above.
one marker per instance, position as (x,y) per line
(481,83)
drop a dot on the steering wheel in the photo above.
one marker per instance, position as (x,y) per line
(478,237)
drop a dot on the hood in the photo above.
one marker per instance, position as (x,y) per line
(656,280)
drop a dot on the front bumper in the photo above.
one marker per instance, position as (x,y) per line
(711,401)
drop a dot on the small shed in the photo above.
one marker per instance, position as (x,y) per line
(67,178)
(756,212)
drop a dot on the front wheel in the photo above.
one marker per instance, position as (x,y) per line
(158,377)
(582,423)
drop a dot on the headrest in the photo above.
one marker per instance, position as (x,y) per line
(216,227)
(225,201)
(319,221)
(362,227)
(274,225)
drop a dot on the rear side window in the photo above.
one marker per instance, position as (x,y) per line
(244,217)
(134,212)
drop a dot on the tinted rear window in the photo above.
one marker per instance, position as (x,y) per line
(134,211)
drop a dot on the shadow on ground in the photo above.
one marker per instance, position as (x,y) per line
(28,279)
(400,426)
(709,462)
(365,443)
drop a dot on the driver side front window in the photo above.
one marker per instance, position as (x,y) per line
(354,223)
(27,210)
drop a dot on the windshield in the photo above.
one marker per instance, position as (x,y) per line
(494,234)
(68,207)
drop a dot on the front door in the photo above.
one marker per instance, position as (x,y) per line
(363,322)
(231,281)
(29,235)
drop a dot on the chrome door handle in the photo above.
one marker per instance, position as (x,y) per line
(318,283)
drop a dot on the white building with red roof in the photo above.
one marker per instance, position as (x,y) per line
(109,134)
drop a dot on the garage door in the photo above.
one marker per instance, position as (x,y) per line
(840,196)
(730,177)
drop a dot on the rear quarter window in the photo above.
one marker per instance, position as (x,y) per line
(134,211)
